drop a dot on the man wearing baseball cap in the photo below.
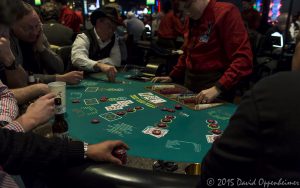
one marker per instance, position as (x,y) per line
(97,49)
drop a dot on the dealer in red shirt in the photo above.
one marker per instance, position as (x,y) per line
(217,54)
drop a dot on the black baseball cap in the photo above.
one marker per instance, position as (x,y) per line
(106,12)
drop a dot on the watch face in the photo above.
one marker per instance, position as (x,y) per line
(3,123)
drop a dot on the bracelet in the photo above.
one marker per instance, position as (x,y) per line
(85,148)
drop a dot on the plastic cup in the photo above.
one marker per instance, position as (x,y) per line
(59,88)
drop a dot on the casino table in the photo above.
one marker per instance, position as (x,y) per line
(187,136)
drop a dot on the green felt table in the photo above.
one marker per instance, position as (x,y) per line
(185,142)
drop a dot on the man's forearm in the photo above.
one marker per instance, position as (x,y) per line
(29,93)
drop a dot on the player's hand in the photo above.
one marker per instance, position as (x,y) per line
(110,71)
(39,112)
(208,95)
(41,89)
(6,55)
(164,79)
(103,151)
(39,44)
(73,77)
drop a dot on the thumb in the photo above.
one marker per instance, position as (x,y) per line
(114,160)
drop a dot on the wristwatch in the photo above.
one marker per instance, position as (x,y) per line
(12,66)
(85,148)
(3,123)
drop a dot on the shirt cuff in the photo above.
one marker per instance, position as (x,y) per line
(5,118)
(15,126)
(107,61)
(220,87)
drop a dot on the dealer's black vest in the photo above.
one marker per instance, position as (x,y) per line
(95,53)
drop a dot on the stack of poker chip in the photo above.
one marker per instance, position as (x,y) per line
(214,126)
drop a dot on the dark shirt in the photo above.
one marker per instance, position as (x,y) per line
(24,153)
(95,53)
(58,34)
(262,138)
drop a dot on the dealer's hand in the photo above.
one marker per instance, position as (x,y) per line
(208,95)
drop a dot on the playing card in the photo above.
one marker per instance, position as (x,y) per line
(211,138)
(145,94)
(109,108)
(157,101)
(91,101)
(117,106)
(147,130)
(91,89)
(150,97)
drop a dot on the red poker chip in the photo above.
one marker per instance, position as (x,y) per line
(210,121)
(166,120)
(130,110)
(170,117)
(213,125)
(103,99)
(170,110)
(95,121)
(216,131)
(162,125)
(156,132)
(121,154)
(121,113)
(138,108)
(178,107)
(75,101)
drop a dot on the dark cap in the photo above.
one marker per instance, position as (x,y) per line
(106,12)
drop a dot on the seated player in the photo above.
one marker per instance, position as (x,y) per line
(56,33)
(17,57)
(36,114)
(218,53)
(262,136)
(97,49)
(35,50)
(32,153)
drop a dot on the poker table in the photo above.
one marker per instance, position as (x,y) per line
(187,137)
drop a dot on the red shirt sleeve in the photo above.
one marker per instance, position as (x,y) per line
(234,37)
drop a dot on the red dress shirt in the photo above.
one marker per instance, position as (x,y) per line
(218,41)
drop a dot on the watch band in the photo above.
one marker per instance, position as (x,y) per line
(85,148)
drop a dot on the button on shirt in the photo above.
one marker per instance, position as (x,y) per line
(80,53)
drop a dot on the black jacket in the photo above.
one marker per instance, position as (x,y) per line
(263,137)
(23,153)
